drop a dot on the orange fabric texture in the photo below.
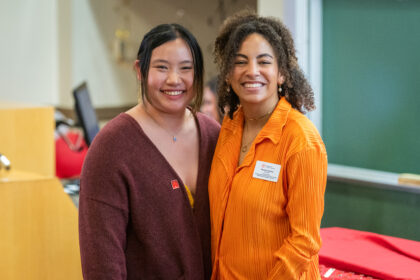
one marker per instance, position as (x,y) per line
(263,229)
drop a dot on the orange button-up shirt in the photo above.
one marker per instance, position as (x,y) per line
(263,229)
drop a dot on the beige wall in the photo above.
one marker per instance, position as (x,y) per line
(50,46)
(273,8)
(28,51)
(93,30)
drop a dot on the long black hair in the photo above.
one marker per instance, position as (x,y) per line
(158,36)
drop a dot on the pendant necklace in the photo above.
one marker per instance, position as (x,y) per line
(173,134)
(244,148)
(260,117)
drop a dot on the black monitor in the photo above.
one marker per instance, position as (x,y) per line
(85,113)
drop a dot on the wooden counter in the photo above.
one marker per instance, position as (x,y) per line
(38,229)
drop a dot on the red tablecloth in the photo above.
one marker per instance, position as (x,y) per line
(372,254)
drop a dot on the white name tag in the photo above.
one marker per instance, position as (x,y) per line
(267,171)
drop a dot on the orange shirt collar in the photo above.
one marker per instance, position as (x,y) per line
(272,129)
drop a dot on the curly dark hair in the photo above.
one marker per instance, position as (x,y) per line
(233,32)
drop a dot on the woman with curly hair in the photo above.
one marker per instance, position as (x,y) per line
(268,175)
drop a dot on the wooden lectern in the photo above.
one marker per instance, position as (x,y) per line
(38,220)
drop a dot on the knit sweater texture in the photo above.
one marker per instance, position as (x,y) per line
(133,222)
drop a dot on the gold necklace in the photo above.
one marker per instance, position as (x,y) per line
(244,148)
(173,135)
(261,117)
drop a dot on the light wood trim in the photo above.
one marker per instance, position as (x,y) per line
(27,137)
(409,179)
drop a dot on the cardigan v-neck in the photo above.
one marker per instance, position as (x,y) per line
(134,223)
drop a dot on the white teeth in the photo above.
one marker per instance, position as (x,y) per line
(254,85)
(173,93)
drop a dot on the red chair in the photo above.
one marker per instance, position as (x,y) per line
(70,152)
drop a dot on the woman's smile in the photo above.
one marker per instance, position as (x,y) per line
(173,92)
(255,76)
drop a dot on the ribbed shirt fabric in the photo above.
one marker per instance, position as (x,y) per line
(263,229)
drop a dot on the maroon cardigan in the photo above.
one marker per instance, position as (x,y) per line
(132,223)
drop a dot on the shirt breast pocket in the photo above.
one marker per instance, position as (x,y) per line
(268,177)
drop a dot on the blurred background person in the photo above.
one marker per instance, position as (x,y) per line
(210,105)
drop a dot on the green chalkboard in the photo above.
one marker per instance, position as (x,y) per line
(362,207)
(371,83)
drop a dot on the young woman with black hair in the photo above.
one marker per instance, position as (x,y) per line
(144,210)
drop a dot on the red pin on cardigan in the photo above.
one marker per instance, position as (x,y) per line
(175,184)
